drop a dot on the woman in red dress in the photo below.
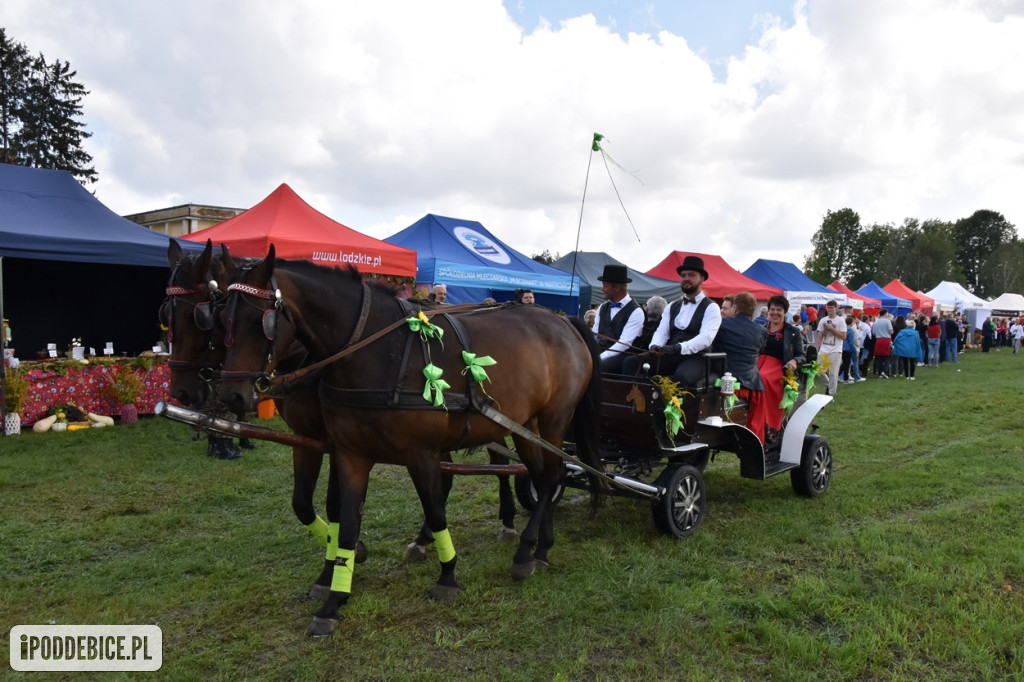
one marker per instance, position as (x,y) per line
(783,350)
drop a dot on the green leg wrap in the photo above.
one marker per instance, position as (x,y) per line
(332,541)
(445,548)
(319,530)
(344,565)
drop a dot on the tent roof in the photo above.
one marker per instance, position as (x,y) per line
(955,294)
(885,299)
(1007,304)
(48,215)
(798,287)
(723,278)
(590,265)
(298,231)
(464,253)
(920,301)
(843,289)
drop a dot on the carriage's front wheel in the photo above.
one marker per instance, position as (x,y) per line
(527,494)
(814,475)
(680,511)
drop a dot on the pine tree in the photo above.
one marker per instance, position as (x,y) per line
(41,108)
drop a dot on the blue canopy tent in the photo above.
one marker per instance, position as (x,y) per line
(796,286)
(474,264)
(71,267)
(589,265)
(894,304)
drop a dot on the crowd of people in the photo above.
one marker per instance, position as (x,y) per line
(761,351)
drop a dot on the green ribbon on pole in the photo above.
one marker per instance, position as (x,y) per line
(729,400)
(811,371)
(435,385)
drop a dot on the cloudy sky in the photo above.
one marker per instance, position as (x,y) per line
(743,121)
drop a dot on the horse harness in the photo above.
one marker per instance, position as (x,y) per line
(202,316)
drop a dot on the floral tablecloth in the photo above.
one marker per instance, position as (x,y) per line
(84,386)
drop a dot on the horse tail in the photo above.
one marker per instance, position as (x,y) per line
(586,422)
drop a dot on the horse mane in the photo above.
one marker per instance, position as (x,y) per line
(349,272)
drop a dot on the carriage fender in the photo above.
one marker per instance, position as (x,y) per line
(796,428)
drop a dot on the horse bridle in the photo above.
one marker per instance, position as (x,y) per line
(202,315)
(269,324)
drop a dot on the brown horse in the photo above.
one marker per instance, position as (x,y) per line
(191,313)
(377,408)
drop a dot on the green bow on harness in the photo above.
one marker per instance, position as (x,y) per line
(475,366)
(427,330)
(435,385)
(673,417)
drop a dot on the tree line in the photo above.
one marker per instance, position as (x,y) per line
(40,108)
(982,252)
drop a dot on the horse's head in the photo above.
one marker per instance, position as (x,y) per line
(258,330)
(189,314)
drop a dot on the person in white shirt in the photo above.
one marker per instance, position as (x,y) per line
(688,327)
(1017,332)
(619,319)
(831,333)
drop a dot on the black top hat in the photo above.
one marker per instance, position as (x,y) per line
(615,274)
(694,263)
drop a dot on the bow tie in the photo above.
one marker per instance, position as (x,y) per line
(614,305)
(688,300)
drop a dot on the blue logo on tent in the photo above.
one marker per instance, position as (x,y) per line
(481,245)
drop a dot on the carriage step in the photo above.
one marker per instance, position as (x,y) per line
(778,468)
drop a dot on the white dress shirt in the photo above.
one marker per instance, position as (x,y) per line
(634,325)
(708,328)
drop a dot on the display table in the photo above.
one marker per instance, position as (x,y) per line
(84,386)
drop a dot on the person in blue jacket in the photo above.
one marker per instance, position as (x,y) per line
(907,345)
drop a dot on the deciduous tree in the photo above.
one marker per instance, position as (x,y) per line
(833,245)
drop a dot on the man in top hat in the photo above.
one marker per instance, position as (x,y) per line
(619,319)
(688,327)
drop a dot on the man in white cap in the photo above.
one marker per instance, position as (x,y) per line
(619,319)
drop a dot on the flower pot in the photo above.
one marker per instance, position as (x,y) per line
(129,414)
(12,424)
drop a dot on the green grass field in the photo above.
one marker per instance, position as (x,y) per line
(911,567)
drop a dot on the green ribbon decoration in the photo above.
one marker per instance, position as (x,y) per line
(729,400)
(789,396)
(475,366)
(673,419)
(425,328)
(811,371)
(435,385)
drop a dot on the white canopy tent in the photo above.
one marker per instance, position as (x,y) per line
(1007,305)
(953,294)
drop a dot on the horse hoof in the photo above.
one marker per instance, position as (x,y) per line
(360,552)
(507,534)
(322,627)
(444,592)
(542,564)
(319,592)
(415,552)
(523,571)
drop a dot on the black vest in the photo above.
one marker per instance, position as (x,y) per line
(608,326)
(676,335)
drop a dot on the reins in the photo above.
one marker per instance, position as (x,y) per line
(353,346)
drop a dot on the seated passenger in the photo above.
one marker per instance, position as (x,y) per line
(619,319)
(783,349)
(655,307)
(742,340)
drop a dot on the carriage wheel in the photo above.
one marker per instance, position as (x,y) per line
(680,511)
(527,494)
(815,472)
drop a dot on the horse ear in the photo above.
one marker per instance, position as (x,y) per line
(265,270)
(173,253)
(203,262)
(229,263)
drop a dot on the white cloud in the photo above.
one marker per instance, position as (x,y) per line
(379,112)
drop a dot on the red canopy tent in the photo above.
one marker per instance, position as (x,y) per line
(722,280)
(298,231)
(871,305)
(922,303)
